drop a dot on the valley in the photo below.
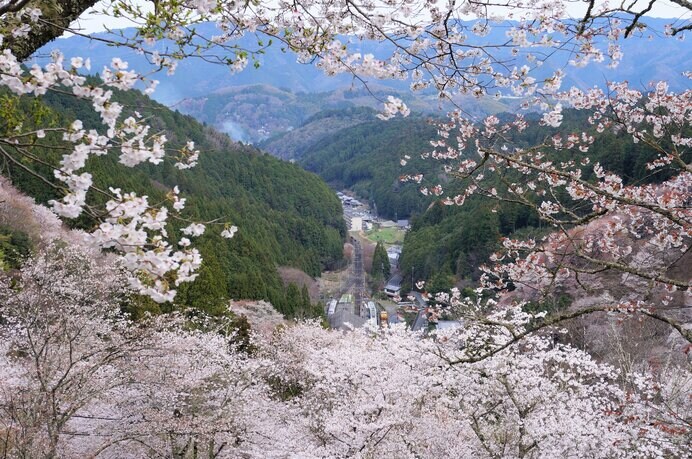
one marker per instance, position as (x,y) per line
(397,230)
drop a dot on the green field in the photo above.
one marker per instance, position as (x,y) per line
(386,235)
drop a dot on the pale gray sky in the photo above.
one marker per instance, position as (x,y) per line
(92,22)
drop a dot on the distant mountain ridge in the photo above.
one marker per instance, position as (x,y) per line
(642,62)
(261,113)
(279,96)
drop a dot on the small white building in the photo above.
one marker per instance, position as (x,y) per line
(356,223)
(394,253)
(393,287)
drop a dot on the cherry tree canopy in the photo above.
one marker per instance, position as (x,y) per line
(79,380)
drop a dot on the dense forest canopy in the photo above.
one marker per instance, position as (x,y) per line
(289,216)
(366,159)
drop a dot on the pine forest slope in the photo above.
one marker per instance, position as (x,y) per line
(366,158)
(322,126)
(447,244)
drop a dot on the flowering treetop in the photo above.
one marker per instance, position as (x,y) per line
(80,380)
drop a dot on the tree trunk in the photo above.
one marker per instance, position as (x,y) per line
(55,18)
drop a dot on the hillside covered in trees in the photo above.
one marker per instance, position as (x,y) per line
(366,158)
(449,243)
(286,216)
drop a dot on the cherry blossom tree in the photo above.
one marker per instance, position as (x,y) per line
(80,380)
(605,230)
(62,334)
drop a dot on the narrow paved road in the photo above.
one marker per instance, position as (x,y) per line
(421,321)
(358,276)
(346,313)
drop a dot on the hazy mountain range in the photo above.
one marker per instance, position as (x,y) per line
(282,93)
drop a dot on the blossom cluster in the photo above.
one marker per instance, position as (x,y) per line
(601,222)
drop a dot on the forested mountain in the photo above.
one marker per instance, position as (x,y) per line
(286,216)
(366,158)
(273,115)
(257,113)
(293,144)
(447,244)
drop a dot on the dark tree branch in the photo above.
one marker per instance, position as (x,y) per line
(554,320)
(49,27)
(634,23)
(684,3)
(587,18)
(13,7)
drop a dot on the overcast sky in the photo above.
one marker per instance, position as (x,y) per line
(91,22)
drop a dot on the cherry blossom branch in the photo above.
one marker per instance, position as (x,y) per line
(518,336)
(566,175)
(637,272)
